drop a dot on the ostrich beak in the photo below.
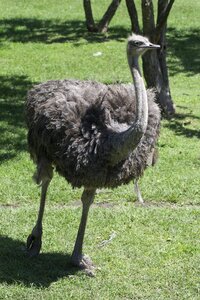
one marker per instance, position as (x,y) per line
(153,46)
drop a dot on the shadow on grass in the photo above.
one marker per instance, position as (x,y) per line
(53,31)
(13,91)
(180,129)
(179,124)
(184,44)
(16,267)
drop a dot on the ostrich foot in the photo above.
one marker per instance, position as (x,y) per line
(34,242)
(83,262)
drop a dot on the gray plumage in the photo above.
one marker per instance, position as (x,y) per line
(70,121)
(95,135)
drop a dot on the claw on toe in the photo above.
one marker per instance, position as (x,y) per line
(33,245)
(84,263)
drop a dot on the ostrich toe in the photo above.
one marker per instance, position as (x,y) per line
(34,244)
(84,263)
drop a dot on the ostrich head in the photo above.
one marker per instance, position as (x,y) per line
(138,45)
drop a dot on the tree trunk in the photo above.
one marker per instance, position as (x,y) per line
(89,16)
(162,53)
(154,62)
(104,22)
(133,16)
(163,12)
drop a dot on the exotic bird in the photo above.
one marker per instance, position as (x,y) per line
(94,135)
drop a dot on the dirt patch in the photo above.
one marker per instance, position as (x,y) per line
(13,206)
(77,203)
(164,204)
(104,204)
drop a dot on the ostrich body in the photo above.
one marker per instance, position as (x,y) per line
(95,135)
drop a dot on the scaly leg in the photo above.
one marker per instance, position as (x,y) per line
(138,193)
(78,259)
(34,240)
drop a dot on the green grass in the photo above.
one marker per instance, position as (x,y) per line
(155,254)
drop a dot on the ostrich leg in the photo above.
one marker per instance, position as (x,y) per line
(137,191)
(34,240)
(78,259)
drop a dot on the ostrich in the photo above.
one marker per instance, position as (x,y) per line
(94,135)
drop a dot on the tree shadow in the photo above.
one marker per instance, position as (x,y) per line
(12,131)
(40,271)
(180,129)
(26,30)
(179,124)
(184,44)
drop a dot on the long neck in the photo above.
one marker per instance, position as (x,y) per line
(141,95)
(125,142)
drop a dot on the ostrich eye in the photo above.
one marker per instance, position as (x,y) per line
(135,43)
(138,43)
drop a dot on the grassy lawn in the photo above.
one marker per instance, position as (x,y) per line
(156,251)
